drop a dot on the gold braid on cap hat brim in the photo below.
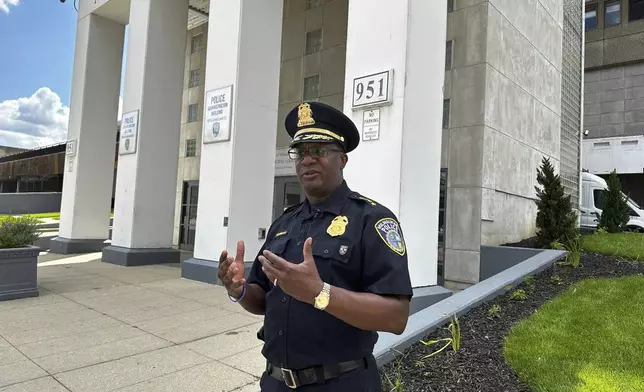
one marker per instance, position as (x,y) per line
(319,131)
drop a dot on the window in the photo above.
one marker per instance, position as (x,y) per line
(446,105)
(613,13)
(193,113)
(195,77)
(448,55)
(197,43)
(311,87)
(635,10)
(191,147)
(597,195)
(590,18)
(313,3)
(450,5)
(313,41)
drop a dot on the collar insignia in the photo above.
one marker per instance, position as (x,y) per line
(343,250)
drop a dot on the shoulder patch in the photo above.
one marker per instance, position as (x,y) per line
(389,231)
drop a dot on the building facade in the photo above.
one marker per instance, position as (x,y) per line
(614,92)
(481,91)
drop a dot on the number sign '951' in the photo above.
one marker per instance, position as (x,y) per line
(372,90)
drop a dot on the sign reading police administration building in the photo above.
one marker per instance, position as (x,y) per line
(129,132)
(216,125)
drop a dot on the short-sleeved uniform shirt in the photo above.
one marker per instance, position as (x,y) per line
(358,245)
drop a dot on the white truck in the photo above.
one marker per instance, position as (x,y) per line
(591,205)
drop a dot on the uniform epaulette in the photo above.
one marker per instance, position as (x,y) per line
(292,208)
(357,196)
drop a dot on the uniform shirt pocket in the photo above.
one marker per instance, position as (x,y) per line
(278,245)
(333,249)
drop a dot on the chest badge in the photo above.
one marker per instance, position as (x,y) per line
(343,250)
(337,226)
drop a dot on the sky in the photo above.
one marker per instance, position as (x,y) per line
(38,40)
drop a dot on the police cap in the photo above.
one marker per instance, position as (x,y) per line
(315,122)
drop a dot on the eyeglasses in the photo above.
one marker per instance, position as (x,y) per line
(297,154)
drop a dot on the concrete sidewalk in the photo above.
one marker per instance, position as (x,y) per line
(100,327)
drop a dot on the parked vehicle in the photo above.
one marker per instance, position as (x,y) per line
(591,205)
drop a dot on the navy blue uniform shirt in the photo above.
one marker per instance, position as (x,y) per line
(357,245)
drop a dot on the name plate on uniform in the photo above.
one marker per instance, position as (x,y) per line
(373,90)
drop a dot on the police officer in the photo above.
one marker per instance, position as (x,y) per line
(332,272)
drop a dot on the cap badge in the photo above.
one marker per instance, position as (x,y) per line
(305,115)
(337,226)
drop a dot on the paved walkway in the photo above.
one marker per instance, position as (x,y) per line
(100,327)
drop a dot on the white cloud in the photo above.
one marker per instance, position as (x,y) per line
(4,5)
(35,121)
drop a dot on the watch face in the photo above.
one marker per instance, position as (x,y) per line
(322,301)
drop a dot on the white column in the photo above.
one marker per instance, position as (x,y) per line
(147,168)
(89,168)
(236,176)
(401,169)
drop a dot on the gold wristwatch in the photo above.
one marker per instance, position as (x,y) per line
(322,300)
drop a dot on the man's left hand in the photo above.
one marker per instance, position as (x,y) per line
(300,281)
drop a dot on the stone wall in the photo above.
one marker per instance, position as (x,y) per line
(614,101)
(504,89)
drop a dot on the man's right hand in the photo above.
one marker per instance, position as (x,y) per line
(231,271)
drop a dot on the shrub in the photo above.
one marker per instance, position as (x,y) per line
(572,245)
(18,232)
(614,216)
(556,220)
(519,295)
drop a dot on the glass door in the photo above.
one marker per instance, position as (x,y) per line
(189,202)
(287,192)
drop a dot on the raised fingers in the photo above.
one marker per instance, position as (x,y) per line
(269,269)
(276,261)
(232,269)
(223,256)
(240,251)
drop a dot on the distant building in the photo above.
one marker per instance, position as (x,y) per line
(614,92)
(5,150)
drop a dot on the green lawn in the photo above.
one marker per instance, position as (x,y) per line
(627,245)
(591,338)
(50,215)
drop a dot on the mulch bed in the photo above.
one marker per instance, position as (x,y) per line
(479,365)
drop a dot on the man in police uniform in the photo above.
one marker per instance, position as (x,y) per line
(332,272)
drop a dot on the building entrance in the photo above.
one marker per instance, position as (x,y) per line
(188,227)
(287,192)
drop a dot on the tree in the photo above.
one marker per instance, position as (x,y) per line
(614,216)
(556,220)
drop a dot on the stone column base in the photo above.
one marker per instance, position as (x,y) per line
(206,271)
(128,257)
(66,246)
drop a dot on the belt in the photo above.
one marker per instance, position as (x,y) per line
(313,375)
